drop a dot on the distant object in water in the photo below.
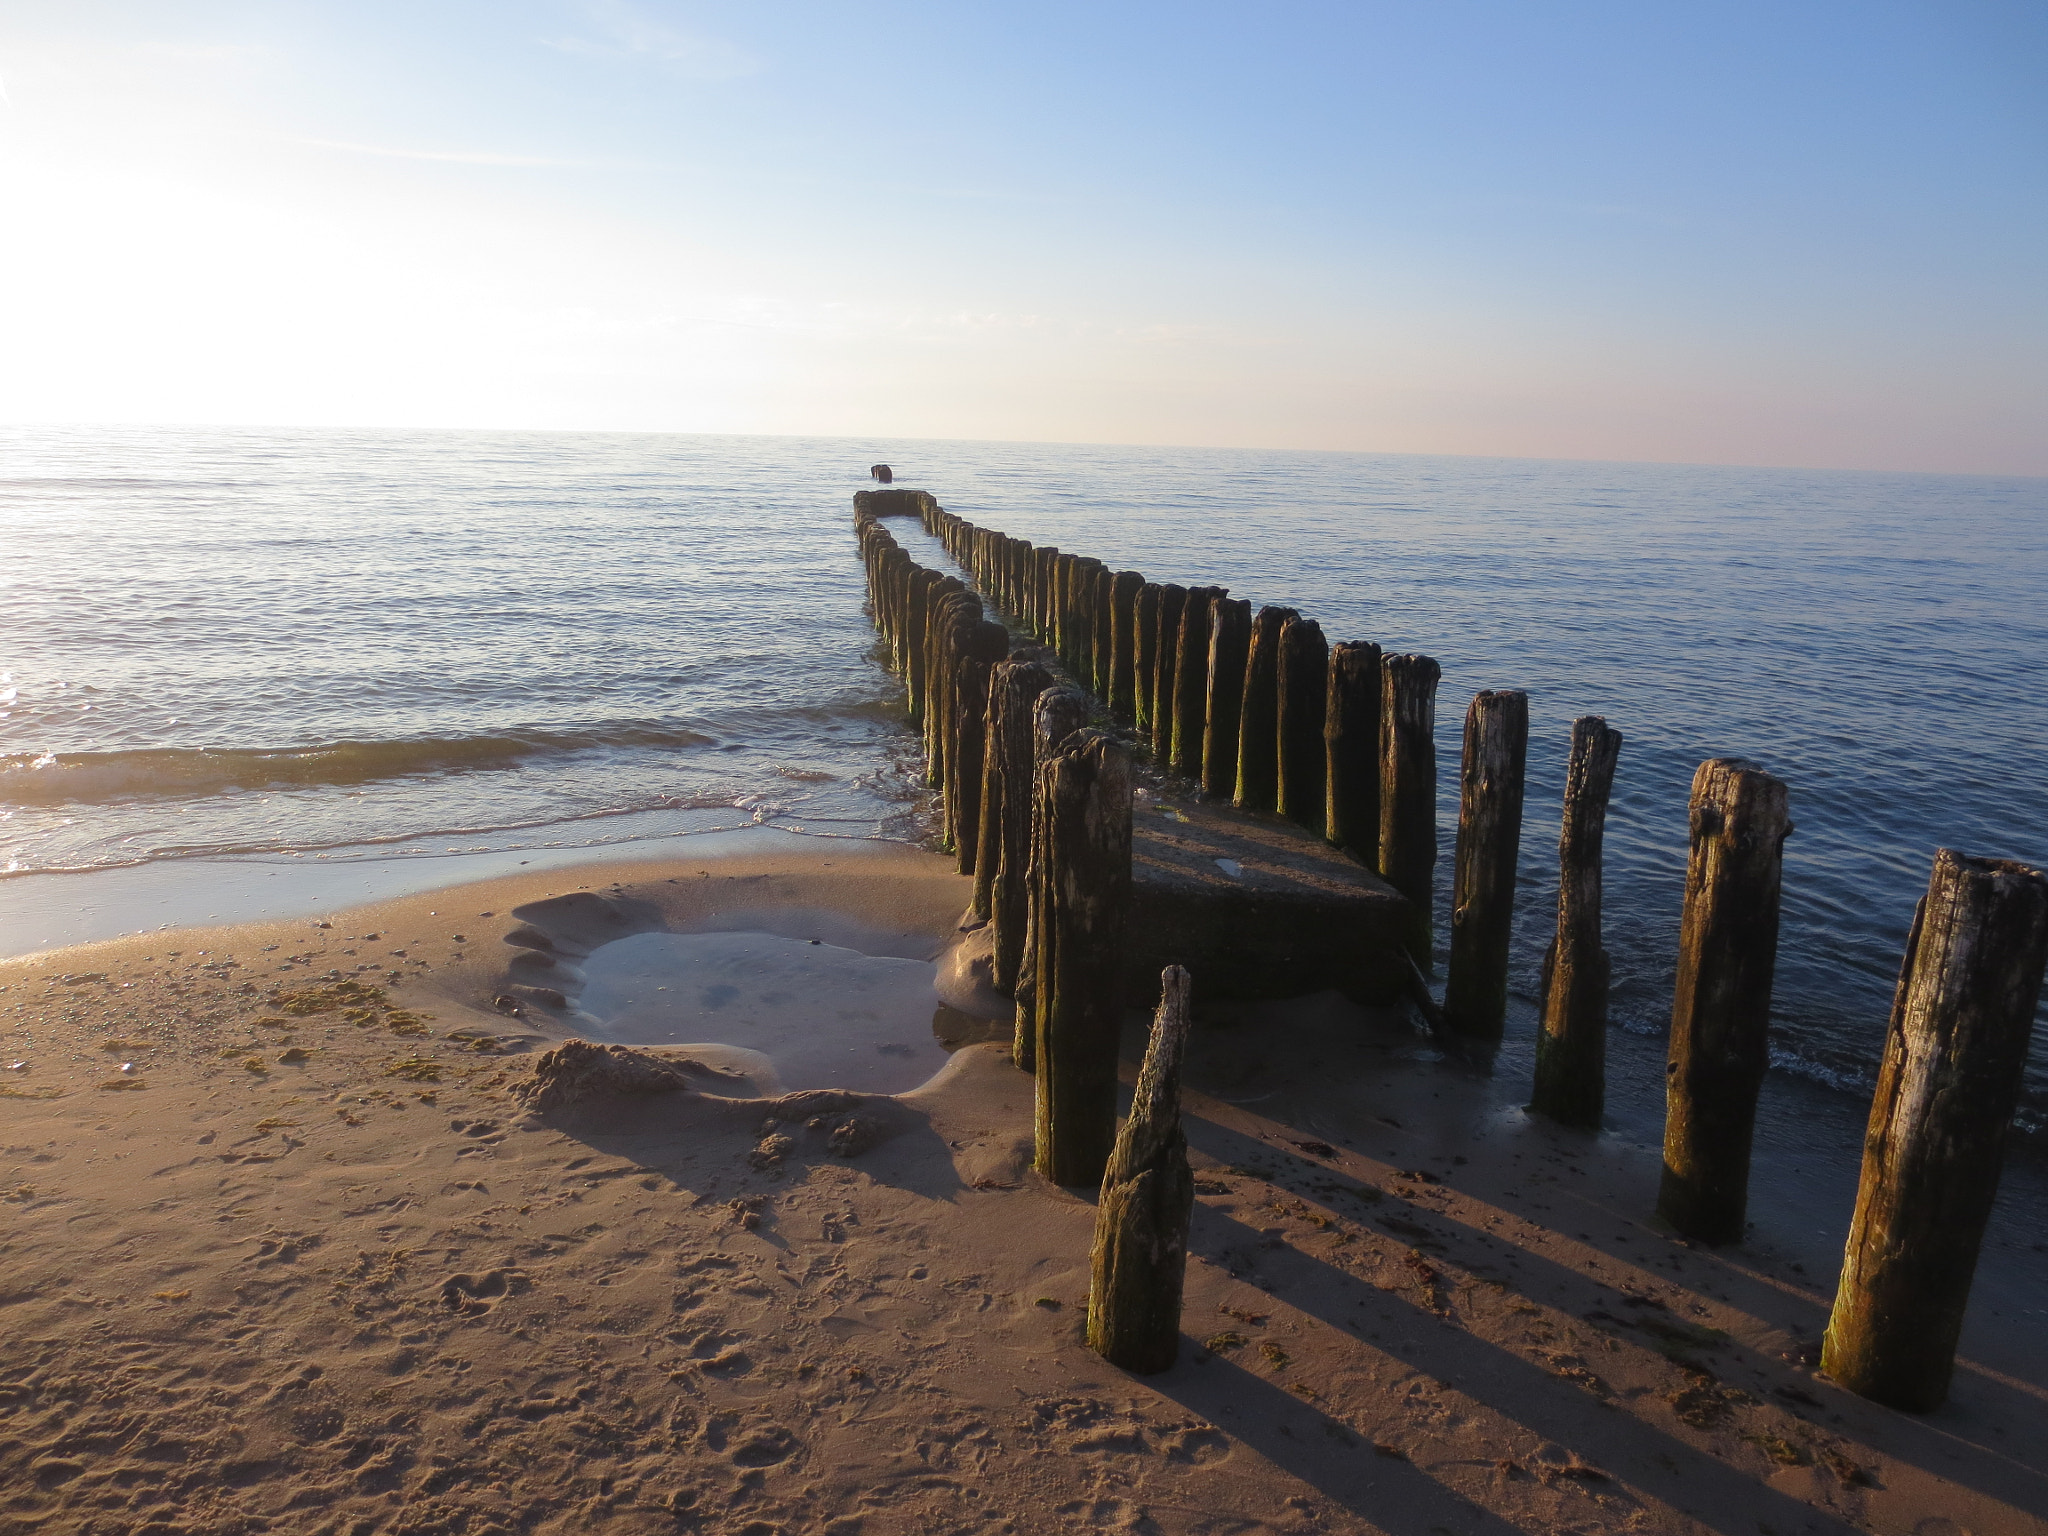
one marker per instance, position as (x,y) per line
(882,472)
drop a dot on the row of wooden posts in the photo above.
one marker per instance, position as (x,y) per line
(1259,709)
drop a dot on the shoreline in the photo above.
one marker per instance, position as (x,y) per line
(366,1285)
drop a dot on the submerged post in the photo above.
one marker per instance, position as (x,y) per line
(1258,724)
(1055,715)
(1721,1011)
(1230,644)
(1489,849)
(1351,751)
(1571,1046)
(1304,688)
(1953,1057)
(1138,1263)
(1408,793)
(1081,890)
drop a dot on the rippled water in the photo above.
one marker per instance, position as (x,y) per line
(288,640)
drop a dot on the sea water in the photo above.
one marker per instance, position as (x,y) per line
(278,647)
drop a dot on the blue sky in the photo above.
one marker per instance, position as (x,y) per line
(1784,234)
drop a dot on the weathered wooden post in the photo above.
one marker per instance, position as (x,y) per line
(1351,751)
(911,645)
(1258,724)
(955,611)
(1489,849)
(1138,1263)
(1191,680)
(1953,1058)
(1165,651)
(1004,843)
(1082,879)
(1571,1047)
(1408,793)
(1123,618)
(1721,1010)
(983,646)
(1063,610)
(1055,715)
(1230,643)
(1044,566)
(1304,688)
(1144,655)
(1102,626)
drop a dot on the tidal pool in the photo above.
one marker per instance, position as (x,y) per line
(826,1017)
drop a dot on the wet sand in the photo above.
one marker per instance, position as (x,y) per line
(328,1274)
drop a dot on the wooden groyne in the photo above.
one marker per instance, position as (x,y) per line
(1327,753)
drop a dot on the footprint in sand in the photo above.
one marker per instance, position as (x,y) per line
(474,1295)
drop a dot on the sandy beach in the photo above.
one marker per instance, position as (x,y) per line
(287,1249)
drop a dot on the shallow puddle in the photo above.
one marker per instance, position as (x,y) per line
(827,1017)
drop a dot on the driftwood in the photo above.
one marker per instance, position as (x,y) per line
(1056,715)
(1721,1009)
(1081,888)
(1123,619)
(1138,1263)
(1408,793)
(1488,851)
(1258,726)
(1961,1019)
(1230,644)
(1351,751)
(1571,1047)
(1165,655)
(1191,680)
(1304,688)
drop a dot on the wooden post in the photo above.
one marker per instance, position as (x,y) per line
(1408,793)
(1082,887)
(1055,715)
(1304,688)
(910,645)
(1258,725)
(1004,844)
(1230,642)
(1102,628)
(1123,617)
(1953,1058)
(1191,680)
(1721,1010)
(1351,751)
(1144,655)
(1138,1263)
(1571,1047)
(1044,566)
(983,646)
(1165,652)
(955,611)
(1488,852)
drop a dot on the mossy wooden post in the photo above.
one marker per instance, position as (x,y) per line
(1191,680)
(1165,652)
(1258,723)
(1083,888)
(1351,751)
(1004,845)
(1946,1088)
(1056,714)
(957,609)
(984,645)
(1571,1045)
(1138,1263)
(1044,565)
(1489,849)
(910,645)
(1061,637)
(1124,587)
(1144,655)
(1304,688)
(1408,793)
(1721,1009)
(1230,643)
(1102,628)
(1086,578)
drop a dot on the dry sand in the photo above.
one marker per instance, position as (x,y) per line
(330,1275)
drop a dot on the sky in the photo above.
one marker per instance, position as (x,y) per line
(1773,233)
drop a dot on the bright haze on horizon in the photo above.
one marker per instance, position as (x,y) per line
(1804,234)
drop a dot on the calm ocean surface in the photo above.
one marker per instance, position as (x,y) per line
(342,645)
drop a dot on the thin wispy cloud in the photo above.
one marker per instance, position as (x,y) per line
(627,33)
(453,156)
